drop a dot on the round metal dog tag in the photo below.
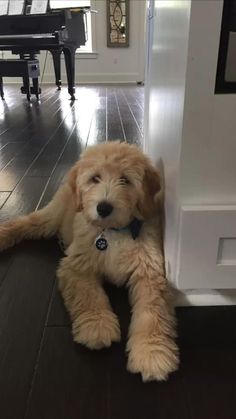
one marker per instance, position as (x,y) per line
(101,243)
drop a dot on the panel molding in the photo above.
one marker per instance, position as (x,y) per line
(201,231)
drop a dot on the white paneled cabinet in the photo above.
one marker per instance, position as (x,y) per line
(207,247)
(190,133)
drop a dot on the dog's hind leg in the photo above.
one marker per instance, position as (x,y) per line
(33,226)
(43,223)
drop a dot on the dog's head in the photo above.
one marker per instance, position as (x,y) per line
(113,183)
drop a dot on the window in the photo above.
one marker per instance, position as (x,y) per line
(60,4)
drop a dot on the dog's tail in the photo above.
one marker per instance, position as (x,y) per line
(42,223)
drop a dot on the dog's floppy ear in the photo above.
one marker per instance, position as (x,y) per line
(72,180)
(151,186)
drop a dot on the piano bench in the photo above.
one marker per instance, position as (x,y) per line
(21,68)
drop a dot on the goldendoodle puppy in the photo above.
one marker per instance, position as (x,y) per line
(106,214)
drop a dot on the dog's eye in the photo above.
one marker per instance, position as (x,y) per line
(95,179)
(124,180)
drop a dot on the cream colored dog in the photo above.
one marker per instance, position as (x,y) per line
(106,215)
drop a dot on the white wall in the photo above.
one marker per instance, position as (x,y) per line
(191,134)
(116,64)
(165,92)
(108,64)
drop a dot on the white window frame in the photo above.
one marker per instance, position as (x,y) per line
(89,50)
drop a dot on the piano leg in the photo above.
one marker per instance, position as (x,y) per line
(56,56)
(1,88)
(26,87)
(36,87)
(70,69)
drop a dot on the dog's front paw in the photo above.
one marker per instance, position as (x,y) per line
(96,330)
(154,357)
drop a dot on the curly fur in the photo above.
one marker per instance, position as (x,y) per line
(122,175)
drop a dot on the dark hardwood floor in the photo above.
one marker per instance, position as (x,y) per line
(43,374)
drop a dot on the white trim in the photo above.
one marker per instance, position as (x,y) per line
(142,38)
(205,298)
(91,78)
(84,55)
(94,26)
(91,27)
(14,80)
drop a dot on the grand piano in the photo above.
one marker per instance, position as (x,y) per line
(56,31)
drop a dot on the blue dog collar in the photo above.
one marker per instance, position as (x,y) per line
(134,227)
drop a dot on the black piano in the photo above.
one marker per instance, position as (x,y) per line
(56,31)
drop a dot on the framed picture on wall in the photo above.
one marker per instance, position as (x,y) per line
(117,23)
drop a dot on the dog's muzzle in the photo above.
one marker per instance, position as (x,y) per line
(104,209)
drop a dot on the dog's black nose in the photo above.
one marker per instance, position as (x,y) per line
(104,209)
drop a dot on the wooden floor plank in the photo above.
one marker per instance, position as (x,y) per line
(70,381)
(24,299)
(3,197)
(97,133)
(57,316)
(134,96)
(114,125)
(5,263)
(14,171)
(85,109)
(135,108)
(132,131)
(130,397)
(13,126)
(24,123)
(8,152)
(22,163)
(70,154)
(205,322)
(209,382)
(19,203)
(207,345)
(48,156)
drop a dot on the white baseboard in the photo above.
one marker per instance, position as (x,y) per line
(104,78)
(98,78)
(205,298)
